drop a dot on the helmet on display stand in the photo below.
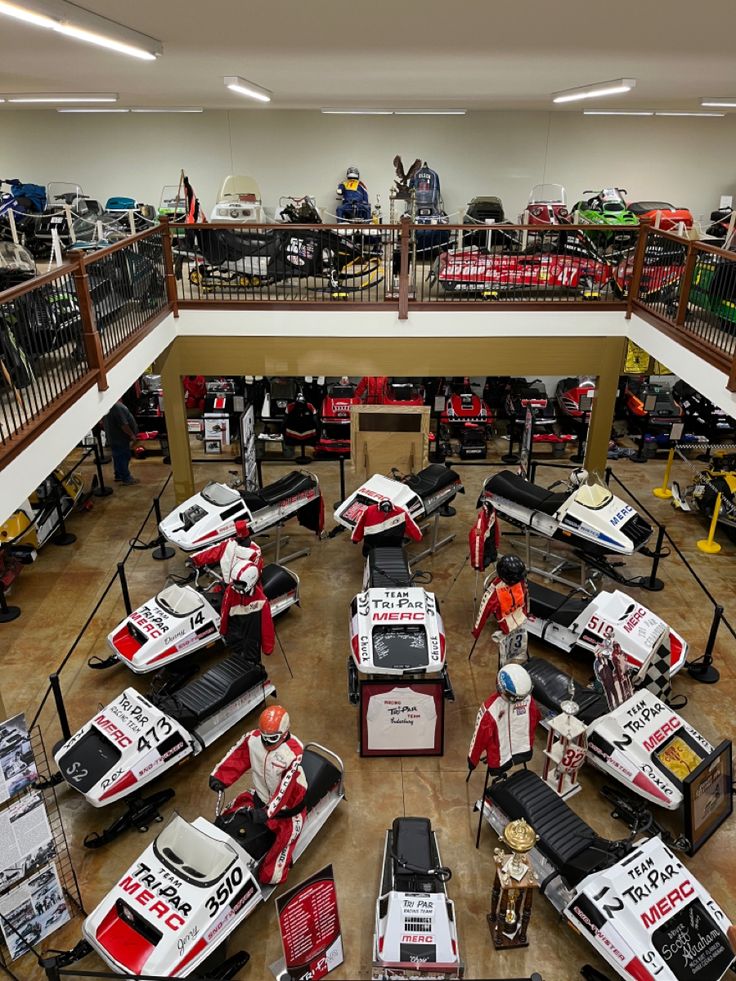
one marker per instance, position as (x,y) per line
(513,683)
(273,723)
(510,569)
(245,579)
(352,173)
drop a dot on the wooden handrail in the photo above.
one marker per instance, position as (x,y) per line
(635,282)
(90,334)
(7,296)
(686,281)
(363,227)
(171,291)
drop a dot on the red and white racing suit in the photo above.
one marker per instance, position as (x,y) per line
(510,607)
(376,527)
(372,387)
(504,731)
(245,618)
(279,787)
(484,538)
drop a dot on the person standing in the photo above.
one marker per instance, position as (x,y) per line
(121,431)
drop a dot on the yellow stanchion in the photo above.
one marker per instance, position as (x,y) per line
(707,544)
(664,491)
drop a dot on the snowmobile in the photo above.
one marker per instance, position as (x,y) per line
(239,199)
(713,288)
(400,391)
(488,212)
(334,435)
(671,219)
(607,208)
(532,395)
(415,925)
(17,265)
(37,519)
(665,411)
(120,218)
(704,417)
(280,392)
(183,618)
(396,628)
(583,624)
(466,417)
(719,477)
(420,494)
(61,195)
(194,885)
(644,913)
(210,515)
(547,205)
(24,200)
(569,395)
(586,514)
(428,210)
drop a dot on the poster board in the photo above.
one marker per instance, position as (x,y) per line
(309,924)
(248,450)
(708,799)
(402,718)
(525,452)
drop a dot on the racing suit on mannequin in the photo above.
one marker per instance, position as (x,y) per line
(505,724)
(277,797)
(508,601)
(195,390)
(246,622)
(372,387)
(384,523)
(354,201)
(484,538)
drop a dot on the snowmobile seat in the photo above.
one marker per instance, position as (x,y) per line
(547,603)
(388,567)
(276,580)
(432,479)
(212,691)
(568,842)
(321,774)
(515,488)
(551,690)
(293,483)
(413,845)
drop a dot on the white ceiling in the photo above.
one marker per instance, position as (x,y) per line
(474,54)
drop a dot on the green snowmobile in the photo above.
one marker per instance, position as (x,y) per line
(607,208)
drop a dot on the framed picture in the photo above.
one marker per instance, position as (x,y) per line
(212,446)
(402,718)
(708,796)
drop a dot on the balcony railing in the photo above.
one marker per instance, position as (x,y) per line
(61,332)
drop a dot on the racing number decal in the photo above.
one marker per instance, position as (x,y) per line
(572,758)
(196,620)
(76,772)
(224,891)
(153,735)
(623,741)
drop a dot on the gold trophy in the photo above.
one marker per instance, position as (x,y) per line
(513,887)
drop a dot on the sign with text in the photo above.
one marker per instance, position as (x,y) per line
(310,928)
(401,718)
(708,796)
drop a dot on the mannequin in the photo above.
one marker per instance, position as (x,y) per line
(506,597)
(505,724)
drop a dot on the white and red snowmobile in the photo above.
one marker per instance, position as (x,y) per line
(420,494)
(571,624)
(642,910)
(396,628)
(210,515)
(334,435)
(416,929)
(171,913)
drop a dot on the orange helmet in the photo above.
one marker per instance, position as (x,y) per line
(274,725)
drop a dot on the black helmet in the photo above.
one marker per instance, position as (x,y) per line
(385,505)
(510,569)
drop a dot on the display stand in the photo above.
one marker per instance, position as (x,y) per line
(567,744)
(436,542)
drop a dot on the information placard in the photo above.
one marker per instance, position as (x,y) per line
(309,923)
(708,796)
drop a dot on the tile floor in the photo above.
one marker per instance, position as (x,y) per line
(57,594)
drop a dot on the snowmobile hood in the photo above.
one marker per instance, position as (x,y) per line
(395,631)
(205,518)
(176,620)
(378,488)
(605,520)
(647,745)
(650,918)
(189,890)
(124,746)
(418,928)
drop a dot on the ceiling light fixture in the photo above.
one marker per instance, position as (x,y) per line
(429,112)
(711,115)
(393,112)
(357,112)
(178,109)
(616,112)
(41,97)
(93,110)
(243,87)
(84,25)
(719,103)
(596,89)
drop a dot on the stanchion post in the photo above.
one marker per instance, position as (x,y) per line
(60,707)
(124,588)
(664,491)
(654,583)
(702,670)
(97,433)
(101,490)
(342,479)
(162,550)
(62,536)
(7,613)
(709,545)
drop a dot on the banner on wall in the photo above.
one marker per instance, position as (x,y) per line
(309,924)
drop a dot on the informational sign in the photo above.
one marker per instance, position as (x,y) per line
(32,911)
(248,450)
(525,451)
(708,796)
(17,767)
(650,403)
(309,923)
(25,839)
(678,428)
(402,718)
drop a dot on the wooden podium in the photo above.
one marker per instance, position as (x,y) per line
(386,436)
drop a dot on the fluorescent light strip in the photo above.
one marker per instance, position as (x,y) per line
(243,87)
(357,112)
(63,18)
(41,97)
(429,112)
(93,110)
(712,115)
(615,112)
(393,112)
(168,110)
(719,103)
(596,89)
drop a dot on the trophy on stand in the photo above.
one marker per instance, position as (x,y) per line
(567,743)
(513,887)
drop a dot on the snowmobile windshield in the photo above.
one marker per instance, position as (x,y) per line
(342,391)
(402,391)
(593,495)
(396,646)
(192,854)
(547,194)
(16,259)
(220,495)
(282,390)
(179,602)
(641,207)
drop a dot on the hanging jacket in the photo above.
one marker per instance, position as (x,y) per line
(504,732)
(508,604)
(372,386)
(277,774)
(231,554)
(484,538)
(394,524)
(300,422)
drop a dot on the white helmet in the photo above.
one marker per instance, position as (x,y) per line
(513,682)
(578,477)
(245,577)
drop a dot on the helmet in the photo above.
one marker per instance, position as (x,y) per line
(510,569)
(385,505)
(513,683)
(578,477)
(352,173)
(245,578)
(274,725)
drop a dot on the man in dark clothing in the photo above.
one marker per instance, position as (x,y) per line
(121,430)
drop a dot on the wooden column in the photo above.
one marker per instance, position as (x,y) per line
(176,424)
(601,420)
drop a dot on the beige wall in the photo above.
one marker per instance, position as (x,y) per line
(689,161)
